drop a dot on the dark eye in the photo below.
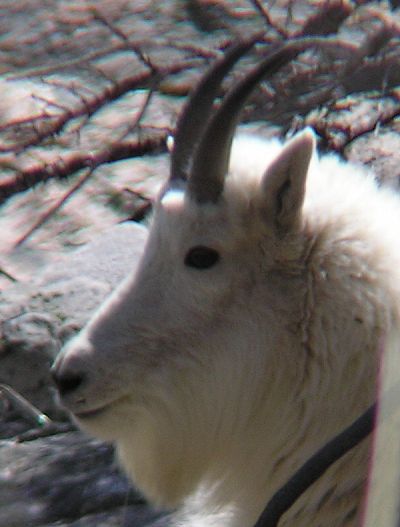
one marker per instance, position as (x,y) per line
(201,257)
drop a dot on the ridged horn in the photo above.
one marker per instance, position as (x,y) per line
(195,115)
(210,163)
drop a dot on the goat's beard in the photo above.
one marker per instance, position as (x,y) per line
(158,462)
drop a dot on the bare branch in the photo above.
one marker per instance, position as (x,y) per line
(25,408)
(125,39)
(88,106)
(8,275)
(101,158)
(328,20)
(86,58)
(268,19)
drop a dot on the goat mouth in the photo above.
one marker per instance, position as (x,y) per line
(89,414)
(95,412)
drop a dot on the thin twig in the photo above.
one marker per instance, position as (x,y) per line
(8,275)
(265,14)
(89,106)
(54,208)
(26,409)
(52,429)
(126,40)
(66,64)
(66,166)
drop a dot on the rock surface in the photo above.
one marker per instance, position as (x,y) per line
(63,477)
(38,317)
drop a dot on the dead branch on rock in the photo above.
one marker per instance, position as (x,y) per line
(68,165)
(264,12)
(7,275)
(328,20)
(102,157)
(128,44)
(51,125)
(85,58)
(24,407)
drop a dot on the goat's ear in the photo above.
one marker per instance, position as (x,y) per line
(284,182)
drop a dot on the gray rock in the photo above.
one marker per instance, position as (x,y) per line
(74,286)
(35,323)
(381,153)
(28,350)
(66,477)
(107,258)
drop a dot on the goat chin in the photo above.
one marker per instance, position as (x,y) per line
(251,332)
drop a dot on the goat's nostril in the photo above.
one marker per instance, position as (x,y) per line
(67,382)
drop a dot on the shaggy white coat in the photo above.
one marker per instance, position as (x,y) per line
(217,384)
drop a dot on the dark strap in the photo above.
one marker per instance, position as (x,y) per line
(313,469)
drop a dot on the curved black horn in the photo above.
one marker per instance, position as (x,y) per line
(211,160)
(193,119)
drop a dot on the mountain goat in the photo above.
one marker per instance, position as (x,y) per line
(250,334)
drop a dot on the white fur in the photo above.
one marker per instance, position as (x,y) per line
(217,384)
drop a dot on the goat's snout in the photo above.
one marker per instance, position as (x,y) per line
(70,371)
(67,381)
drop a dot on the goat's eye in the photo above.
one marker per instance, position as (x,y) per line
(201,257)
